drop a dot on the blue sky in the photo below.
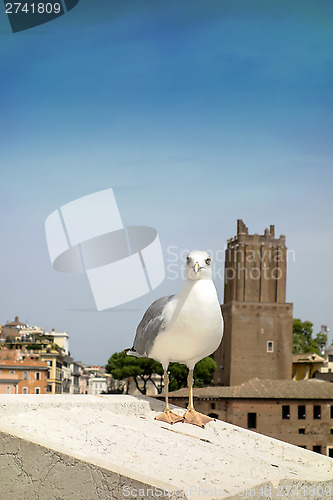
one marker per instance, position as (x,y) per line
(196,113)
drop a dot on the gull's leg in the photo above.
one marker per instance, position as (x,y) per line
(168,416)
(191,416)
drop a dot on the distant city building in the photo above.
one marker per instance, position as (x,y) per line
(61,339)
(12,329)
(23,376)
(83,378)
(325,372)
(75,378)
(53,357)
(257,339)
(300,413)
(67,374)
(97,385)
(306,365)
(64,375)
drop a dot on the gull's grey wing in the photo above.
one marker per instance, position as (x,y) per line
(149,327)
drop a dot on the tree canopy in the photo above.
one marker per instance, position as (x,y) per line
(302,338)
(122,367)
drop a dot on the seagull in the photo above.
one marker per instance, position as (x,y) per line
(183,328)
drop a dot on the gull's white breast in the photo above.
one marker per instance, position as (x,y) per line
(194,325)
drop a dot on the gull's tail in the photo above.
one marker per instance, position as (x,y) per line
(132,352)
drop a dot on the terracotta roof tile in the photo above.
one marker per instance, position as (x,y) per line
(265,389)
(4,363)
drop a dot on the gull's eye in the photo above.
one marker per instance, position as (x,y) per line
(187,259)
(208,261)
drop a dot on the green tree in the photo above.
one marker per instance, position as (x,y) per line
(122,367)
(302,338)
(203,372)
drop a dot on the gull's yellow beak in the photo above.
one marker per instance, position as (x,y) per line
(196,267)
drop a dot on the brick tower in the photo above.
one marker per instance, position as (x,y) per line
(257,339)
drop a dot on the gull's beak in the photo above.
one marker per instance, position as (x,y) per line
(196,267)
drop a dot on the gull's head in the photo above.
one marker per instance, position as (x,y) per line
(198,266)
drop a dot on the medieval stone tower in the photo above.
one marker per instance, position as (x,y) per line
(257,340)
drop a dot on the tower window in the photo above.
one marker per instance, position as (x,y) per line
(270,346)
(286,412)
(251,420)
(301,412)
(212,405)
(317,412)
(301,431)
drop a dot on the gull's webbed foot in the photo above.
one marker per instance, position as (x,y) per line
(169,417)
(194,417)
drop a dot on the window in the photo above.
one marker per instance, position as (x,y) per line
(301,412)
(330,358)
(270,346)
(49,388)
(317,449)
(285,412)
(25,390)
(316,412)
(301,431)
(37,375)
(331,411)
(213,415)
(330,452)
(251,420)
(25,375)
(331,431)
(8,389)
(49,363)
(37,390)
(12,372)
(212,405)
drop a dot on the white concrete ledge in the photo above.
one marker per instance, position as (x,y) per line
(103,447)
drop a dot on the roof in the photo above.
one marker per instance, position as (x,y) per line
(308,357)
(13,381)
(264,389)
(26,363)
(16,322)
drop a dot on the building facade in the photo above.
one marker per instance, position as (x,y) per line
(25,376)
(97,385)
(297,412)
(53,357)
(257,318)
(306,365)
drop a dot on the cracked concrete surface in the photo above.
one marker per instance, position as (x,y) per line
(105,447)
